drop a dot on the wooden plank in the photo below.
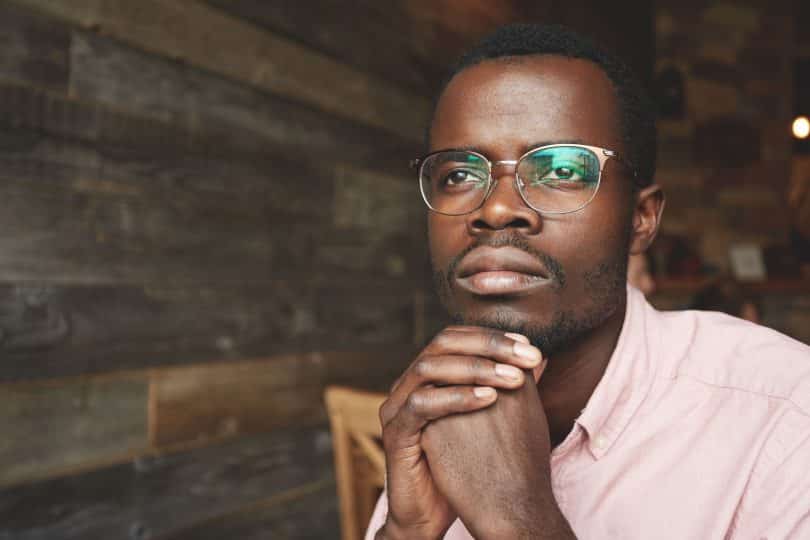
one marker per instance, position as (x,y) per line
(83,216)
(403,59)
(49,331)
(33,49)
(193,404)
(197,403)
(118,132)
(209,39)
(153,497)
(102,72)
(86,215)
(51,428)
(309,511)
(365,313)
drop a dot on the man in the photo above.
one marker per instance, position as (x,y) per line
(562,405)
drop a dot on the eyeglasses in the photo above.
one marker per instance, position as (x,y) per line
(552,179)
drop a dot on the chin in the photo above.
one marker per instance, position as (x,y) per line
(506,319)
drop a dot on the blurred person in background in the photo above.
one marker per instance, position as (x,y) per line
(639,273)
(728,296)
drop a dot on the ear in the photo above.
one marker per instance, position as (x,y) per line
(649,206)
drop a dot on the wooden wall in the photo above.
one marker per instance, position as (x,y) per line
(206,217)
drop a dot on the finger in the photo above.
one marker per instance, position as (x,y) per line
(485,342)
(427,404)
(452,370)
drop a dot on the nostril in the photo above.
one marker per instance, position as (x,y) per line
(518,222)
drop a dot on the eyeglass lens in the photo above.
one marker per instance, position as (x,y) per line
(554,179)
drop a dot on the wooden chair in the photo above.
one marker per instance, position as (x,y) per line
(359,459)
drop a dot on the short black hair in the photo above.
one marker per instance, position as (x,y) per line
(636,109)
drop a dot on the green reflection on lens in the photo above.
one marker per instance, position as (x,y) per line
(562,166)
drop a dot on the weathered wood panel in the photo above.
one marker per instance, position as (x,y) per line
(52,428)
(309,511)
(155,497)
(194,404)
(209,39)
(49,331)
(87,215)
(213,401)
(33,49)
(385,39)
(107,72)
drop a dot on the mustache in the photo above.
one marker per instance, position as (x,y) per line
(515,240)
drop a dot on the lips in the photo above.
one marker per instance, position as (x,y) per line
(501,271)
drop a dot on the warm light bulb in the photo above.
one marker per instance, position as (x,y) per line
(801,127)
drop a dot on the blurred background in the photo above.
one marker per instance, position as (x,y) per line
(206,217)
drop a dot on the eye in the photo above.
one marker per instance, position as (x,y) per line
(564,173)
(461,179)
(457,177)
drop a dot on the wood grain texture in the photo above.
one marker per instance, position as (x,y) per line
(162,495)
(309,511)
(49,331)
(209,39)
(33,49)
(195,404)
(385,39)
(52,428)
(89,215)
(107,72)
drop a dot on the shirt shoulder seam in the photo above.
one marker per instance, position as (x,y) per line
(797,406)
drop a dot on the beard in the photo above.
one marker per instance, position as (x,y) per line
(604,284)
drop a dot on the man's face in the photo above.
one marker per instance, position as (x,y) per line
(551,277)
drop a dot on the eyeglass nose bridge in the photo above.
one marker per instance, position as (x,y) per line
(511,162)
(493,180)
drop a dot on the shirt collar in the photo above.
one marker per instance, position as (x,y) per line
(627,378)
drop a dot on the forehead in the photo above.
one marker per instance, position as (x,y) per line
(502,106)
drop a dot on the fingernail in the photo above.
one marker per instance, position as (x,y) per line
(539,370)
(528,352)
(517,337)
(483,392)
(508,372)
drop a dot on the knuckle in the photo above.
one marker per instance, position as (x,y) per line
(440,341)
(493,342)
(423,368)
(476,365)
(415,403)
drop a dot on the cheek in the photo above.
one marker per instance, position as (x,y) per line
(446,236)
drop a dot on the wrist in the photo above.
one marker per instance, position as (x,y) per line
(539,520)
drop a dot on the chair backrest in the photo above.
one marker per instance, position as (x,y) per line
(359,459)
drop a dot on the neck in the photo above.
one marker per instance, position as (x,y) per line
(573,374)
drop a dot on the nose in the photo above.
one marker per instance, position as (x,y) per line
(504,207)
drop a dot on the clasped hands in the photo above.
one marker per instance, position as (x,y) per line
(466,436)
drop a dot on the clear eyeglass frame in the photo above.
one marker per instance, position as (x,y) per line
(602,154)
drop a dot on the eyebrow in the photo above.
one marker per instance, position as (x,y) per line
(525,149)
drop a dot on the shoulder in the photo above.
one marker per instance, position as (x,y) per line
(729,353)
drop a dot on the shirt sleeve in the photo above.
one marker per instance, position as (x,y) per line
(378,517)
(776,505)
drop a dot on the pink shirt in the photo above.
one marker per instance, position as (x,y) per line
(699,429)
